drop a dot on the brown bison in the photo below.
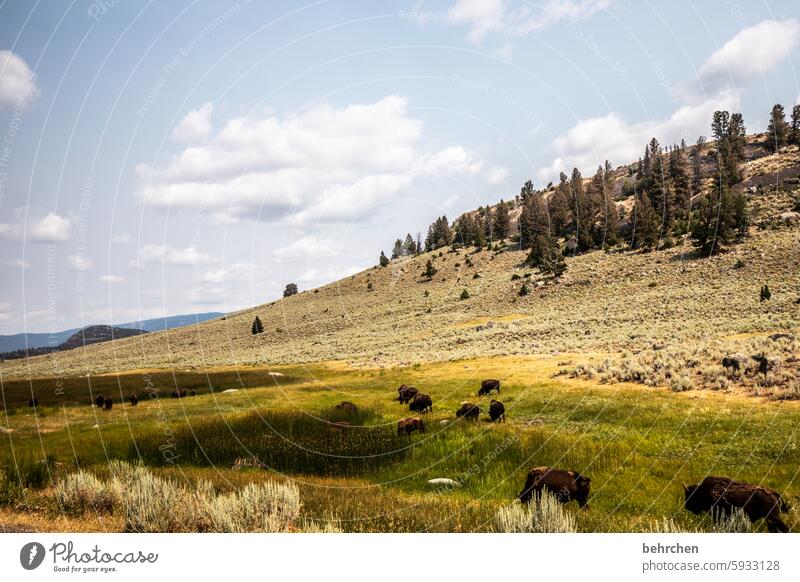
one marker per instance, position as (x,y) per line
(409,425)
(497,411)
(99,401)
(487,386)
(33,402)
(134,400)
(421,403)
(468,410)
(565,485)
(347,408)
(179,393)
(108,403)
(406,393)
(720,495)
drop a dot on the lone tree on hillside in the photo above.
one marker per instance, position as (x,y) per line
(291,289)
(397,251)
(384,260)
(257,327)
(430,270)
(778,129)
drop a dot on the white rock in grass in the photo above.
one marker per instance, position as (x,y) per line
(443,482)
(229,390)
(275,374)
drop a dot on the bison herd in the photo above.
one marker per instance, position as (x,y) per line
(418,402)
(107,403)
(718,496)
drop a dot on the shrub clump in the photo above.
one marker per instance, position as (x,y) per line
(545,515)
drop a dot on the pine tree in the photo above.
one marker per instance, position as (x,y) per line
(609,214)
(397,251)
(697,166)
(559,207)
(257,326)
(794,135)
(679,176)
(384,260)
(582,211)
(409,246)
(778,129)
(645,223)
(534,220)
(430,270)
(418,244)
(502,222)
(717,221)
(546,255)
(526,192)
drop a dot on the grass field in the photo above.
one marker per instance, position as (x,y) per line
(638,444)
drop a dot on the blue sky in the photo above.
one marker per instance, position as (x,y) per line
(164,157)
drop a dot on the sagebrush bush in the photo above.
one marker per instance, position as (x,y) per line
(543,515)
(82,491)
(267,507)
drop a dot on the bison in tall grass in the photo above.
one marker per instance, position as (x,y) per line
(406,394)
(565,485)
(719,496)
(421,403)
(408,425)
(469,411)
(497,411)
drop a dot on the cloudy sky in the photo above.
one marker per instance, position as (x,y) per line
(164,157)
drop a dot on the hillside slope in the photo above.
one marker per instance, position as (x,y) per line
(606,303)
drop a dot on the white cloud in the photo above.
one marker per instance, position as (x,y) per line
(496,16)
(167,255)
(19,263)
(324,164)
(753,51)
(195,126)
(591,141)
(307,247)
(497,175)
(49,228)
(17,81)
(237,272)
(121,239)
(112,279)
(79,262)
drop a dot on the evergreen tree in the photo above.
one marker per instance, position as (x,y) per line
(502,222)
(290,289)
(609,214)
(582,211)
(430,270)
(679,176)
(384,260)
(488,221)
(794,135)
(546,255)
(718,220)
(257,326)
(778,129)
(697,166)
(418,244)
(526,192)
(559,207)
(645,223)
(397,251)
(534,220)
(409,246)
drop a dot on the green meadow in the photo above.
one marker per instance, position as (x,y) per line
(637,444)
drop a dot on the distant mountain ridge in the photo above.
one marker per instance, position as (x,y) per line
(19,341)
(83,337)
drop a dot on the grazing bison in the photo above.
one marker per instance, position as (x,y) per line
(347,408)
(99,401)
(468,410)
(497,411)
(409,425)
(179,393)
(108,403)
(421,403)
(192,393)
(720,495)
(33,402)
(487,386)
(406,393)
(735,362)
(134,400)
(565,485)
